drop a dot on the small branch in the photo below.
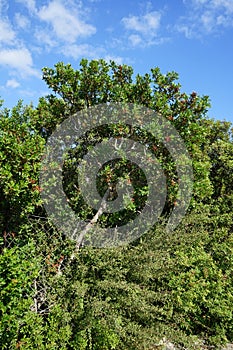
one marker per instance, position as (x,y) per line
(90,224)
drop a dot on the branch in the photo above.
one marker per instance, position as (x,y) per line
(90,224)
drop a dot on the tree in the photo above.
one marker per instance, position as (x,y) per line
(99,82)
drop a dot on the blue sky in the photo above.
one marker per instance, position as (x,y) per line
(191,37)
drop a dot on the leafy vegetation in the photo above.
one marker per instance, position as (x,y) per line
(177,286)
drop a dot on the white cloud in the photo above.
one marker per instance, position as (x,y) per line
(45,38)
(135,39)
(227,5)
(208,21)
(30,4)
(196,2)
(206,17)
(148,23)
(19,60)
(117,59)
(83,50)
(12,83)
(7,34)
(4,4)
(22,21)
(77,52)
(184,29)
(66,24)
(144,29)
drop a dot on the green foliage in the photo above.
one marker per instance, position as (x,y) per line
(20,152)
(17,272)
(177,286)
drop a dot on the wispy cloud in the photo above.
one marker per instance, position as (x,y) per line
(58,26)
(66,25)
(135,39)
(22,21)
(142,29)
(45,39)
(144,24)
(20,60)
(226,5)
(12,83)
(77,51)
(205,17)
(117,59)
(7,34)
(29,4)
(15,57)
